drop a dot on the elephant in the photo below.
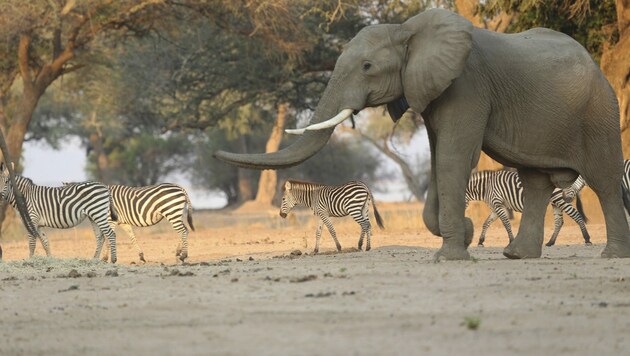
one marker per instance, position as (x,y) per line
(534,100)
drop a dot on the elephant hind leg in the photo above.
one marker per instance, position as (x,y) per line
(537,189)
(609,191)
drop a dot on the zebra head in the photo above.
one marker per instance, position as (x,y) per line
(288,200)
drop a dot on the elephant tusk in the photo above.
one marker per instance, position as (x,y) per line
(339,118)
(295,131)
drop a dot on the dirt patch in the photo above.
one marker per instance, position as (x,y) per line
(391,300)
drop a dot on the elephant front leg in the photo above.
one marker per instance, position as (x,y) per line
(456,229)
(537,189)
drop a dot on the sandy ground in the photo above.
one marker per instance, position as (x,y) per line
(244,293)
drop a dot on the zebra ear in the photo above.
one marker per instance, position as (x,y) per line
(287,185)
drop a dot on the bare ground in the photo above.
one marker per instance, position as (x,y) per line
(391,300)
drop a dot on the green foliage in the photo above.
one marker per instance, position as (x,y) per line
(214,175)
(144,159)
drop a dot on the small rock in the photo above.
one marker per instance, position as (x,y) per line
(74,274)
(91,274)
(112,273)
(296,253)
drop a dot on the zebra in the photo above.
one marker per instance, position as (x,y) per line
(626,185)
(351,198)
(147,206)
(502,190)
(63,207)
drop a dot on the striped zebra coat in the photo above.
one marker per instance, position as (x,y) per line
(502,190)
(148,205)
(327,201)
(64,207)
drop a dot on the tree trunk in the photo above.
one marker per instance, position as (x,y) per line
(19,199)
(245,189)
(269,178)
(615,64)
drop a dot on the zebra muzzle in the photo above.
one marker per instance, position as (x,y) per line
(283,214)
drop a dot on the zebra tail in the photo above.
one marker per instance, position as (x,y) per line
(379,220)
(113,214)
(580,209)
(190,209)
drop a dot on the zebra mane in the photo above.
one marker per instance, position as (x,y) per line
(300,184)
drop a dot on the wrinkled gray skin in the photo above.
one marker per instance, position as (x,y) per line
(533,100)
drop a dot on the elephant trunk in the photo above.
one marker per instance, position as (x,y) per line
(298,152)
(304,147)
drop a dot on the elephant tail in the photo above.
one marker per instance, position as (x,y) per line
(377,216)
(580,208)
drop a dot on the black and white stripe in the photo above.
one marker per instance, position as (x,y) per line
(148,205)
(327,201)
(64,207)
(502,190)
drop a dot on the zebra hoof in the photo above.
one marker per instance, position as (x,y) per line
(114,259)
(588,243)
(480,244)
(141,254)
(367,248)
(549,244)
(183,256)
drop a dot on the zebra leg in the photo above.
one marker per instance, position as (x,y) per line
(331,229)
(100,239)
(32,240)
(503,214)
(111,237)
(369,237)
(537,189)
(318,235)
(364,222)
(127,228)
(361,239)
(574,214)
(182,247)
(558,221)
(44,239)
(181,251)
(491,218)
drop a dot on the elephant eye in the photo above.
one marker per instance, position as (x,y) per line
(367,66)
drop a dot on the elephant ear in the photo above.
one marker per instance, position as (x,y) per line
(438,45)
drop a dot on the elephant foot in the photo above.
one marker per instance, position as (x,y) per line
(521,248)
(616,250)
(451,251)
(141,255)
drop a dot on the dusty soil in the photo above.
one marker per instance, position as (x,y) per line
(244,292)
